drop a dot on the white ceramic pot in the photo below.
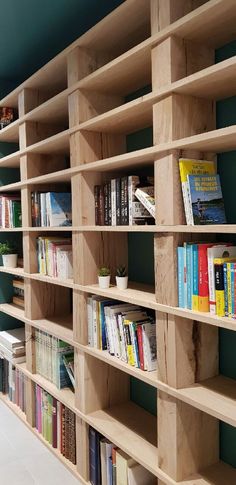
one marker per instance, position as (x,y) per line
(104,282)
(9,260)
(122,282)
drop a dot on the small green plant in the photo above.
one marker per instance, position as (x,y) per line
(121,272)
(7,248)
(104,271)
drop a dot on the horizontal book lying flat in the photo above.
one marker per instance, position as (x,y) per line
(12,338)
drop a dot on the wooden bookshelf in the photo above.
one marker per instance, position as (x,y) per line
(76,107)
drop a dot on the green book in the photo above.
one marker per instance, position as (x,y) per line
(16,213)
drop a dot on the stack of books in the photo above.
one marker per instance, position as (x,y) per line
(56,423)
(108,465)
(206,278)
(18,292)
(124,201)
(202,195)
(12,345)
(13,383)
(54,359)
(51,209)
(10,211)
(127,331)
(6,116)
(55,257)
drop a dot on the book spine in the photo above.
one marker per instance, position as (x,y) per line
(203,278)
(126,201)
(189,276)
(225,289)
(96,201)
(118,201)
(180,256)
(140,346)
(101,206)
(92,456)
(90,321)
(219,286)
(106,205)
(232,288)
(129,346)
(113,202)
(109,203)
(228,265)
(234,316)
(195,277)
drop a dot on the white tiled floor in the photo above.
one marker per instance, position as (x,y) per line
(24,460)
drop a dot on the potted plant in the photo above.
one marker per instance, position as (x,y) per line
(9,255)
(121,278)
(104,277)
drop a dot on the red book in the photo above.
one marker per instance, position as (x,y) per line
(140,346)
(54,422)
(203,286)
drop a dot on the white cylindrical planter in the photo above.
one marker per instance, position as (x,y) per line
(122,282)
(9,260)
(104,282)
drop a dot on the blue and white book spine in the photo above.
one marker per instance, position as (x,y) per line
(189,275)
(226,289)
(195,277)
(232,288)
(180,254)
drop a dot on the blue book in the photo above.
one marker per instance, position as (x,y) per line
(94,457)
(189,269)
(103,330)
(206,199)
(226,289)
(195,277)
(59,209)
(181,276)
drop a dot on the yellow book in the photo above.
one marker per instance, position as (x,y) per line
(129,346)
(192,167)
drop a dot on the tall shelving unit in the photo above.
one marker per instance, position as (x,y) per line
(75,107)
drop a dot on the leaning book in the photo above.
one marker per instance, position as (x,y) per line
(207,204)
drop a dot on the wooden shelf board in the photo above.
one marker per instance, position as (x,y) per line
(145,228)
(13,271)
(132,159)
(11,229)
(218,474)
(54,110)
(11,187)
(132,429)
(220,229)
(55,177)
(68,283)
(10,161)
(17,411)
(58,326)
(136,294)
(49,229)
(10,133)
(66,395)
(57,144)
(148,377)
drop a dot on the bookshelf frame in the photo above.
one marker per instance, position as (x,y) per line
(83,115)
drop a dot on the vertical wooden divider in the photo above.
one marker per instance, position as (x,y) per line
(183,345)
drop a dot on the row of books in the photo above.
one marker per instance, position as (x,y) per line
(127,331)
(123,201)
(12,345)
(206,277)
(10,211)
(202,194)
(54,359)
(55,257)
(51,209)
(13,383)
(56,423)
(108,465)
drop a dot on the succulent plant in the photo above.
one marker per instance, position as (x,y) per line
(104,271)
(7,248)
(121,271)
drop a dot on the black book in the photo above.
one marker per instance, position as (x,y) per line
(124,202)
(118,201)
(94,457)
(96,200)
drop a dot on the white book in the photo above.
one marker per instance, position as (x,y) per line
(114,311)
(90,321)
(8,355)
(13,337)
(122,339)
(123,461)
(217,251)
(103,459)
(138,475)
(64,262)
(146,196)
(43,210)
(149,346)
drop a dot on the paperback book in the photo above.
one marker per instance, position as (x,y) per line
(207,205)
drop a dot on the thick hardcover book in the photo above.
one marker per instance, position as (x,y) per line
(207,205)
(94,457)
(96,202)
(106,204)
(16,213)
(118,201)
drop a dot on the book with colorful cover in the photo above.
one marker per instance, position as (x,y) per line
(217,251)
(192,167)
(221,278)
(146,196)
(59,208)
(207,205)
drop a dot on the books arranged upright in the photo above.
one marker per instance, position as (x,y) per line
(53,357)
(108,465)
(205,277)
(202,195)
(56,423)
(127,331)
(55,257)
(117,203)
(10,211)
(12,345)
(13,383)
(18,292)
(6,117)
(51,209)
